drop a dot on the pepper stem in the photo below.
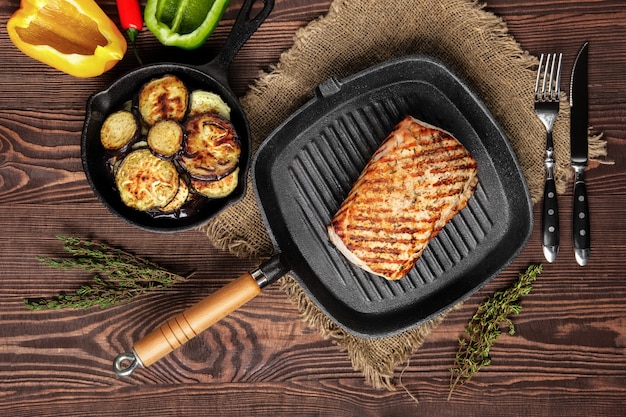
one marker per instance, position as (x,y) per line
(132,35)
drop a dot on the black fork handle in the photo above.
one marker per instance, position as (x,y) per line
(550,218)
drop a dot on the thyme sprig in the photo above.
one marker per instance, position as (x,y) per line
(118,276)
(485,326)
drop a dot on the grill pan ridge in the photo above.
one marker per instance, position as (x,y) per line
(306,167)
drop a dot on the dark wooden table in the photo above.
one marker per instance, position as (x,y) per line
(567,359)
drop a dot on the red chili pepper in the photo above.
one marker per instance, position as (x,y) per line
(130,19)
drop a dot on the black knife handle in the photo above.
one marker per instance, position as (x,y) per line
(582,233)
(550,219)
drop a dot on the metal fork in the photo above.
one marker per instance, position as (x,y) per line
(547,95)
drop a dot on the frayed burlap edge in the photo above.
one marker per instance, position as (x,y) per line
(378,358)
(369,356)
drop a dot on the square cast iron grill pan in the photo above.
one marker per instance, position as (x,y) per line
(306,167)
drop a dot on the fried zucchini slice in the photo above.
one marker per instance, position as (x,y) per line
(118,130)
(202,101)
(179,199)
(164,98)
(218,188)
(212,148)
(165,138)
(145,181)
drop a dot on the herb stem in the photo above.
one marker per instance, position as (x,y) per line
(485,327)
(118,276)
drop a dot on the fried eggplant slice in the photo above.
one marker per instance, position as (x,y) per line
(202,101)
(146,181)
(165,138)
(164,98)
(218,188)
(118,130)
(212,148)
(179,199)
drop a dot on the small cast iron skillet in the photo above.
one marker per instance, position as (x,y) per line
(212,76)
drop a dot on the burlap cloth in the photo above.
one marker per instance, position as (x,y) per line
(352,36)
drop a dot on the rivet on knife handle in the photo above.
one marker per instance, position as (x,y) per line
(581,219)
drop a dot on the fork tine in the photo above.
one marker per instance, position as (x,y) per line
(538,77)
(545,78)
(557,86)
(550,89)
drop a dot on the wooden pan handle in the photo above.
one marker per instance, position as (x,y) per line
(197,318)
(188,324)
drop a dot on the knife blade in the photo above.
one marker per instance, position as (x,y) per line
(579,102)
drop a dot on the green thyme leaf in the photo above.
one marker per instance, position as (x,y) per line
(484,328)
(118,276)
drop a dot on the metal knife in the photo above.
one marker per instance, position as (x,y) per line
(579,100)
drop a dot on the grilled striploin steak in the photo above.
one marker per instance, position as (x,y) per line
(415,182)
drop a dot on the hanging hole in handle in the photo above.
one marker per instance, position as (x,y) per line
(251,15)
(243,28)
(126,363)
(256,9)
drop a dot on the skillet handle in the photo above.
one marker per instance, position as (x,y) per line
(188,324)
(243,28)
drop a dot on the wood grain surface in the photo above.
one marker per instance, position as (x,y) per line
(567,359)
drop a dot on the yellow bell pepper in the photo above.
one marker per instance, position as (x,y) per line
(74,36)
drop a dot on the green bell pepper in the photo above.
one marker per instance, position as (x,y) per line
(183,23)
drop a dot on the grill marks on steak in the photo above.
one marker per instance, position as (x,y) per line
(416,181)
